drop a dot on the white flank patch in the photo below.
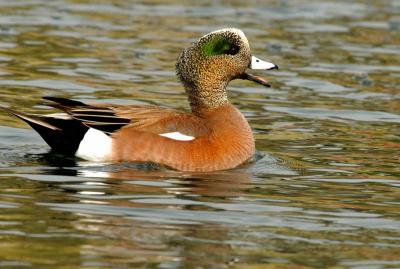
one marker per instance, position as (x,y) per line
(95,146)
(260,64)
(178,136)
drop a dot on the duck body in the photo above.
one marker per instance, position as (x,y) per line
(213,136)
(222,139)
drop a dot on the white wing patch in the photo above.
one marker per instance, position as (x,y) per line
(95,146)
(178,136)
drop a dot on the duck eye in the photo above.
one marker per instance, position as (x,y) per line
(234,49)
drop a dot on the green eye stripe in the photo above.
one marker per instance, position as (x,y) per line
(216,46)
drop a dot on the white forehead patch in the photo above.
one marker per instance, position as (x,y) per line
(178,136)
(233,30)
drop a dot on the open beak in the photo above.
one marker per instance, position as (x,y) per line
(258,64)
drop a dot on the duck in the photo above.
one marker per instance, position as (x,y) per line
(213,136)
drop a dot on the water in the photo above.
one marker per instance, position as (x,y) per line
(322,192)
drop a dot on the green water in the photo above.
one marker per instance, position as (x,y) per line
(322,192)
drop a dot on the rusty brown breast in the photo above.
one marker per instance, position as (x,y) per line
(228,143)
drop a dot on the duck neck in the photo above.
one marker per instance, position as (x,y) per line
(206,96)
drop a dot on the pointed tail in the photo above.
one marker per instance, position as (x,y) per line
(62,134)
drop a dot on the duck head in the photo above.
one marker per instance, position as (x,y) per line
(206,67)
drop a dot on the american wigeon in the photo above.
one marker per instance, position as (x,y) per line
(214,136)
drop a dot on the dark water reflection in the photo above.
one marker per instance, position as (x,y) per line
(323,191)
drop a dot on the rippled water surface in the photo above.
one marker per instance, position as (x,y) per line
(322,192)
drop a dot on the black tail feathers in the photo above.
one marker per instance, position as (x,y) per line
(62,134)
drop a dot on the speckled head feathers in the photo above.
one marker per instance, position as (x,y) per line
(206,67)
